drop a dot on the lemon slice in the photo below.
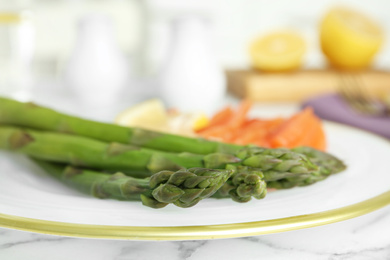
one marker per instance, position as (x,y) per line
(187,123)
(200,121)
(349,39)
(150,114)
(278,51)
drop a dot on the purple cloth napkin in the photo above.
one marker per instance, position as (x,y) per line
(333,108)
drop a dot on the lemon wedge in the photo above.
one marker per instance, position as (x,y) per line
(349,39)
(153,115)
(277,51)
(200,121)
(187,123)
(150,114)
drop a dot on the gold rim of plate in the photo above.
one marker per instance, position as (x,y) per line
(196,232)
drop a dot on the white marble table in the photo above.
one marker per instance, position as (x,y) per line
(363,238)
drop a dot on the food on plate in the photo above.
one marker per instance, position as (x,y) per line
(235,126)
(51,136)
(251,165)
(277,51)
(34,116)
(349,39)
(302,129)
(183,188)
(150,114)
(153,115)
(186,123)
(327,164)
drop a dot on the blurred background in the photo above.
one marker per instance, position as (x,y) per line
(101,52)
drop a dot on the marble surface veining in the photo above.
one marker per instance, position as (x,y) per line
(363,238)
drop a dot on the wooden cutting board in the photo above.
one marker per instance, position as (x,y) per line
(303,84)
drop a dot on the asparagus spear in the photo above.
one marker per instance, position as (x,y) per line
(327,165)
(183,188)
(38,117)
(81,151)
(243,185)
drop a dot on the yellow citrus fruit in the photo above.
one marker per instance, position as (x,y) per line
(278,51)
(150,114)
(187,123)
(200,121)
(349,39)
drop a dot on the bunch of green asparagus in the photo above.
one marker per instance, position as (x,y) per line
(111,161)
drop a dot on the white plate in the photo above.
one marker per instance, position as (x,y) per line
(33,201)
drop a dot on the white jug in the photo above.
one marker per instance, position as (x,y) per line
(97,71)
(191,77)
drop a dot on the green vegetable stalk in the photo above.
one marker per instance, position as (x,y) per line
(183,188)
(34,116)
(85,152)
(327,165)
